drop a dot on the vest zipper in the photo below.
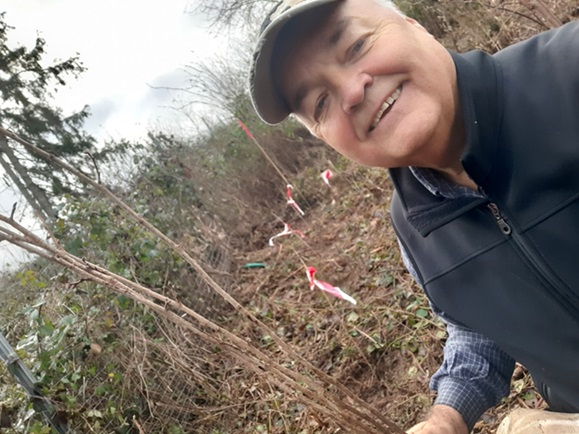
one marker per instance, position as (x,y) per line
(503,225)
(558,291)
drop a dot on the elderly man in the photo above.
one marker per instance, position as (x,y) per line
(483,152)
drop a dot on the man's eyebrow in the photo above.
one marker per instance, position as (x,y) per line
(338,32)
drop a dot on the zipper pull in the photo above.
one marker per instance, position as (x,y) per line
(503,225)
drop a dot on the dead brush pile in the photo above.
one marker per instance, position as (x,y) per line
(384,349)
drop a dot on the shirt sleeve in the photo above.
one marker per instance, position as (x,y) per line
(475,374)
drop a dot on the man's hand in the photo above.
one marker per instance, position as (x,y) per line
(441,420)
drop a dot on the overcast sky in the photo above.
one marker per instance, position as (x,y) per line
(130,48)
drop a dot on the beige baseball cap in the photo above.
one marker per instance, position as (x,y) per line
(265,96)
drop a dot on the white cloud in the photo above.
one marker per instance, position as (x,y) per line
(125,46)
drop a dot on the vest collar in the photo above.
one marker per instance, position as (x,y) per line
(480,91)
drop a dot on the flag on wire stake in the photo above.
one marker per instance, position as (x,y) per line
(286,231)
(244,128)
(291,202)
(326,175)
(325,286)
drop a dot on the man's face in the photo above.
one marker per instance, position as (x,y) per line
(375,86)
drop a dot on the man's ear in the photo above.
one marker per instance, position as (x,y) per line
(311,130)
(416,24)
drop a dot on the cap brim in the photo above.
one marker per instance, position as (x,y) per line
(266,98)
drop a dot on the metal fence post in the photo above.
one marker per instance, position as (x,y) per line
(26,379)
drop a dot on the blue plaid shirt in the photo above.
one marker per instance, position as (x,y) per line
(475,373)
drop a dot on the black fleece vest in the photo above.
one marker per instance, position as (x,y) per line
(508,266)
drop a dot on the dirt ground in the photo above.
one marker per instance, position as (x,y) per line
(386,347)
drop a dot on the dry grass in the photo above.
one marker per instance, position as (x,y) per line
(386,348)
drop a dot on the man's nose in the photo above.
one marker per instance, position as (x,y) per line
(353,90)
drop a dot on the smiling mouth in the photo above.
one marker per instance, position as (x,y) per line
(385,108)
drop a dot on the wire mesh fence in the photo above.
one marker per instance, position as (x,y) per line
(108,365)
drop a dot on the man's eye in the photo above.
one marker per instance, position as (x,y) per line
(320,105)
(357,47)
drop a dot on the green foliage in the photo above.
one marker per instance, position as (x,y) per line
(65,345)
(39,428)
(98,233)
(43,344)
(29,278)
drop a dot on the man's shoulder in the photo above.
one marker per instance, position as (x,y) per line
(549,59)
(551,42)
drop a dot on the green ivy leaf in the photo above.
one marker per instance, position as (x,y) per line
(422,313)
